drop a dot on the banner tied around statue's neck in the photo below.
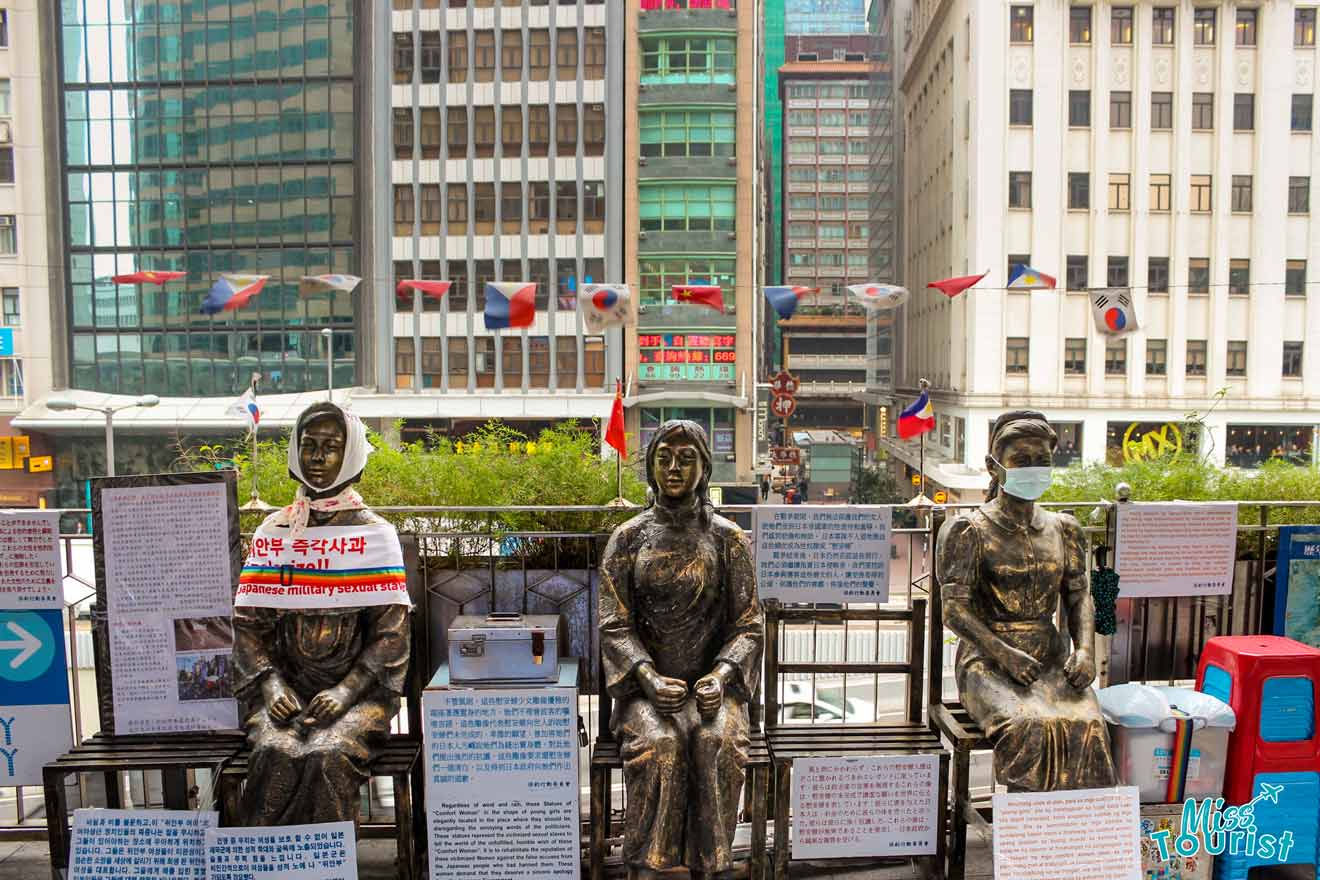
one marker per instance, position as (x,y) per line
(326,567)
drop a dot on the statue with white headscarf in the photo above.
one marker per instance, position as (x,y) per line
(321,634)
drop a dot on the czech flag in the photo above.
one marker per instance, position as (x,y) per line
(708,295)
(233,292)
(785,299)
(917,419)
(1027,278)
(1114,312)
(605,305)
(436,289)
(614,435)
(246,408)
(310,285)
(510,304)
(148,277)
(951,287)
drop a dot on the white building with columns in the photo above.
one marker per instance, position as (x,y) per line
(1169,148)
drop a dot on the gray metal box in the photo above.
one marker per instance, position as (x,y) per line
(505,647)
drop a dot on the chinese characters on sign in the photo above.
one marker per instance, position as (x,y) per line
(1176,549)
(143,844)
(701,357)
(823,553)
(169,589)
(291,852)
(1091,833)
(877,805)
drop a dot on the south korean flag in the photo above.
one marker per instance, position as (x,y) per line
(1114,312)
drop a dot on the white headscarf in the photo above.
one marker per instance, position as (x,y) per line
(356,450)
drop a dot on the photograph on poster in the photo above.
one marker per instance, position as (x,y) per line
(205,677)
(203,634)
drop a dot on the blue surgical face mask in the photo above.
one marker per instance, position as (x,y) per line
(1027,483)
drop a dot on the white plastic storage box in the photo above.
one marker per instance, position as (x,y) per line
(505,648)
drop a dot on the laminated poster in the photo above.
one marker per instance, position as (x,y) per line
(142,844)
(1091,833)
(1297,596)
(291,852)
(835,553)
(871,806)
(1176,549)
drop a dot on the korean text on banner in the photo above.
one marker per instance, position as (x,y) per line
(30,560)
(291,852)
(328,567)
(822,552)
(1176,549)
(872,806)
(143,844)
(1092,833)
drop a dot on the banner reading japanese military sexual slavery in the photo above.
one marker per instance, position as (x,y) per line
(326,567)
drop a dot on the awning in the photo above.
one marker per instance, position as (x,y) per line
(683,396)
(951,475)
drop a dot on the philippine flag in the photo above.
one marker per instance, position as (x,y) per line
(435,289)
(708,295)
(150,276)
(917,419)
(605,305)
(785,300)
(1024,277)
(232,292)
(1114,312)
(246,408)
(310,285)
(879,296)
(510,304)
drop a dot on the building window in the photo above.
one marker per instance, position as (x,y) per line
(1017,260)
(511,207)
(538,55)
(678,207)
(457,133)
(1157,357)
(483,57)
(1020,24)
(403,57)
(8,236)
(1236,363)
(566,129)
(566,53)
(1201,200)
(9,298)
(1295,278)
(1299,195)
(403,132)
(1076,277)
(484,134)
(593,130)
(1120,26)
(1162,26)
(432,133)
(6,164)
(1239,277)
(657,275)
(1301,112)
(1304,27)
(1079,108)
(1079,190)
(688,60)
(1292,357)
(1079,24)
(483,207)
(1203,26)
(1196,349)
(688,133)
(1198,275)
(1157,275)
(1074,356)
(1242,193)
(1251,445)
(1120,192)
(511,130)
(1161,110)
(1019,189)
(1017,356)
(1117,272)
(1160,193)
(457,208)
(404,209)
(1116,357)
(511,55)
(593,205)
(1246,27)
(4,28)
(458,56)
(1203,111)
(11,377)
(1244,112)
(1019,107)
(1120,109)
(593,53)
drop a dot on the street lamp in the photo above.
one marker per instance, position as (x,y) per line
(65,404)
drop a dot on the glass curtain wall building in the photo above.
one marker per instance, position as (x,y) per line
(207,137)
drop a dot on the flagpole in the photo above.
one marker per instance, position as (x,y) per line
(925,386)
(254,499)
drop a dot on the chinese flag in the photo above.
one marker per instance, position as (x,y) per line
(951,287)
(148,277)
(708,295)
(614,431)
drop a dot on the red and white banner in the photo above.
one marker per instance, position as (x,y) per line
(327,567)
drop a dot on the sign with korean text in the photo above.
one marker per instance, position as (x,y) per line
(326,567)
(167,550)
(870,806)
(1092,833)
(502,780)
(290,852)
(142,844)
(822,552)
(698,357)
(1176,549)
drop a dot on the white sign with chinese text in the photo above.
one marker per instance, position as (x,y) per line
(169,588)
(873,805)
(823,552)
(502,782)
(142,844)
(30,560)
(291,852)
(1176,549)
(327,567)
(1089,833)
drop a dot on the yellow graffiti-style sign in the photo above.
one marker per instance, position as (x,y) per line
(1166,440)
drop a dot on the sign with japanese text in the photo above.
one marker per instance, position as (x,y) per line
(30,560)
(327,567)
(822,552)
(869,806)
(1176,549)
(143,844)
(502,780)
(290,852)
(1092,833)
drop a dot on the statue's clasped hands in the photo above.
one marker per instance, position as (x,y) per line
(669,694)
(325,708)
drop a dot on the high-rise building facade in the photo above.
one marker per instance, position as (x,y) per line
(825,16)
(1165,151)
(693,194)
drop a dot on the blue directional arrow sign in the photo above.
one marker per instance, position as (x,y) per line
(32,658)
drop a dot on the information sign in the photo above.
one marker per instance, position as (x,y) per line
(1091,833)
(142,844)
(326,851)
(822,552)
(870,806)
(1176,549)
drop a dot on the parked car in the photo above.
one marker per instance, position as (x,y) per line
(800,707)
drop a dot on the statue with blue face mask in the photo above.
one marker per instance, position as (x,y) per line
(1003,571)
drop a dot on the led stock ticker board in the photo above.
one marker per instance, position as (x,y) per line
(694,357)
